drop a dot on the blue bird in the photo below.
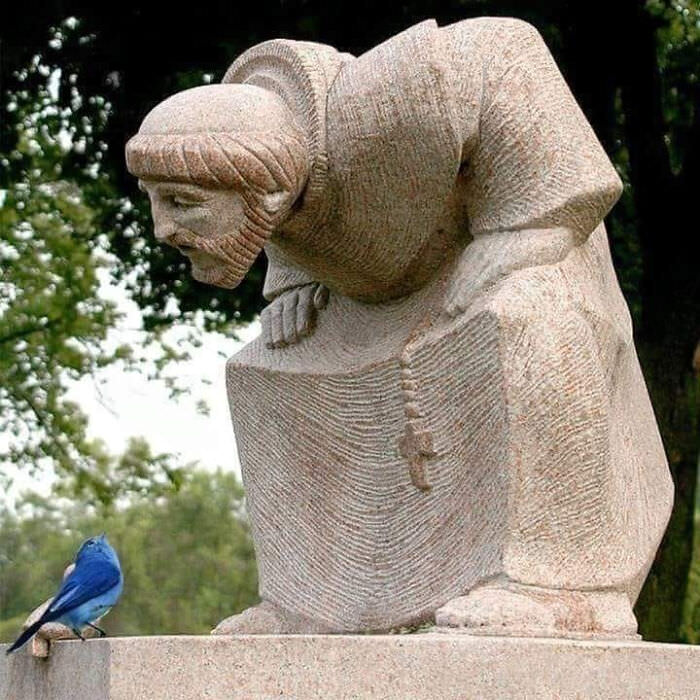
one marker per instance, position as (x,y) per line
(86,594)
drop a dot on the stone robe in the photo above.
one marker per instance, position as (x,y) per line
(470,407)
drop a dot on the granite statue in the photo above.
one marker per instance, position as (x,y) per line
(444,418)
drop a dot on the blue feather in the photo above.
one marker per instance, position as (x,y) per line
(88,593)
(93,578)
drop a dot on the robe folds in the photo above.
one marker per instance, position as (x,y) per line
(470,405)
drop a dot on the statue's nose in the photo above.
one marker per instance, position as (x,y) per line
(163,233)
(163,227)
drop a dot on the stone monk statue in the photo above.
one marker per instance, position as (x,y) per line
(444,419)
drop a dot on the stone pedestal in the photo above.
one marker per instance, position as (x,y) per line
(439,666)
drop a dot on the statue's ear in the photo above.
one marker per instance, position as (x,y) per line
(273,202)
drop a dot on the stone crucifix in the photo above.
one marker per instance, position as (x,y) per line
(444,418)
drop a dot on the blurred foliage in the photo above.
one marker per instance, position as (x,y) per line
(677,39)
(187,555)
(54,322)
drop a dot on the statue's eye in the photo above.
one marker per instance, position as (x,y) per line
(182,203)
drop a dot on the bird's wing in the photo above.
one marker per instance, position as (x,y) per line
(87,581)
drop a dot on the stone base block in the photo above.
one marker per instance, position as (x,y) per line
(439,666)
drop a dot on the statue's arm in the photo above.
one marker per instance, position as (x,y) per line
(295,300)
(491,257)
(536,182)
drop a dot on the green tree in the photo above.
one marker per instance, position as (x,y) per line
(54,322)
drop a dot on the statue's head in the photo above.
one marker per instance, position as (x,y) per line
(223,166)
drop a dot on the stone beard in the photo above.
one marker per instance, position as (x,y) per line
(466,436)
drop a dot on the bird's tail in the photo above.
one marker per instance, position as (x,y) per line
(29,632)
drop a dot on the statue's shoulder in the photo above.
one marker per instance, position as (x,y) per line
(495,27)
(301,73)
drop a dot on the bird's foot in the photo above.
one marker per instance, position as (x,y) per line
(267,618)
(97,629)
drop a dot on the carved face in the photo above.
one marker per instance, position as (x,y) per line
(206,225)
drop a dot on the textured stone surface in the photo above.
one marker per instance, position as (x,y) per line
(436,666)
(461,426)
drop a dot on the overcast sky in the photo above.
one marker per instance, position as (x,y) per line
(122,404)
(129,404)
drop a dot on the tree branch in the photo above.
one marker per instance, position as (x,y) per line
(29,330)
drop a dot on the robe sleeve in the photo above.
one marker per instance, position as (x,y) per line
(282,274)
(532,159)
(537,182)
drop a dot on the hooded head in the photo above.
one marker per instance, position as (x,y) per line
(223,165)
